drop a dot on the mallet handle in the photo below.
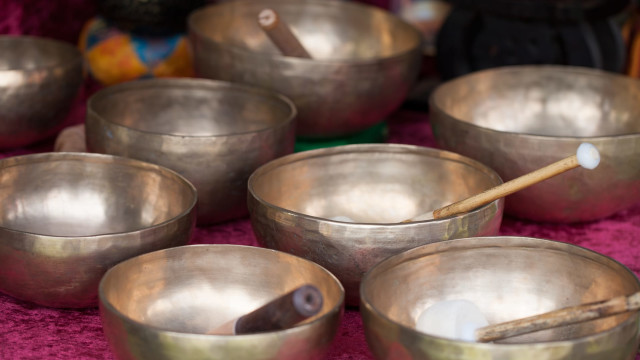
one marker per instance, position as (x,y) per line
(557,318)
(281,35)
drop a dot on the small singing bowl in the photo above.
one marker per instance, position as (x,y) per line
(292,201)
(39,79)
(65,218)
(162,305)
(364,59)
(214,133)
(507,278)
(518,119)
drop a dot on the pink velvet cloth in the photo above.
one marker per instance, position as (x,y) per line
(28,331)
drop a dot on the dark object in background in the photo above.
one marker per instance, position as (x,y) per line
(490,33)
(148,17)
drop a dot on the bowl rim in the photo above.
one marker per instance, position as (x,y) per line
(76,55)
(191,83)
(367,148)
(28,159)
(491,242)
(334,311)
(435,107)
(417,47)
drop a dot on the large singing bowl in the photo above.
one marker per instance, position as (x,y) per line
(39,79)
(162,305)
(292,201)
(365,59)
(518,119)
(214,133)
(66,218)
(508,278)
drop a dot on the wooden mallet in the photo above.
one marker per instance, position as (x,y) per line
(586,156)
(280,313)
(561,317)
(281,35)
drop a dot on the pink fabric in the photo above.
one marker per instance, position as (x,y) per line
(31,332)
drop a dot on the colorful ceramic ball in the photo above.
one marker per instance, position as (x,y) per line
(113,56)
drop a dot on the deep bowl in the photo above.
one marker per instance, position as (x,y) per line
(292,201)
(161,305)
(214,133)
(65,218)
(518,119)
(39,79)
(508,278)
(365,59)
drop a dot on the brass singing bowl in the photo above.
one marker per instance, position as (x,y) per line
(365,59)
(518,119)
(161,305)
(39,79)
(292,201)
(214,133)
(65,218)
(508,278)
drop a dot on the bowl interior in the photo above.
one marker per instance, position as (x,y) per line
(378,184)
(76,195)
(508,278)
(544,100)
(29,53)
(328,30)
(191,107)
(194,289)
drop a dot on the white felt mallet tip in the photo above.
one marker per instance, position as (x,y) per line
(588,156)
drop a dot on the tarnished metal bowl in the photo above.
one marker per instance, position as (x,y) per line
(65,218)
(161,305)
(508,278)
(292,201)
(214,133)
(364,59)
(39,79)
(518,119)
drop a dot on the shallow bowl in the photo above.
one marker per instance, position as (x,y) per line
(292,201)
(39,79)
(507,278)
(365,59)
(518,119)
(65,218)
(161,305)
(214,133)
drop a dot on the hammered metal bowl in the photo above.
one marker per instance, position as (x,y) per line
(161,305)
(65,218)
(508,278)
(292,201)
(39,79)
(518,119)
(364,59)
(214,133)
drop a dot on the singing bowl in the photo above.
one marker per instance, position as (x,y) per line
(65,218)
(214,133)
(161,305)
(292,200)
(518,119)
(365,59)
(508,278)
(39,79)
